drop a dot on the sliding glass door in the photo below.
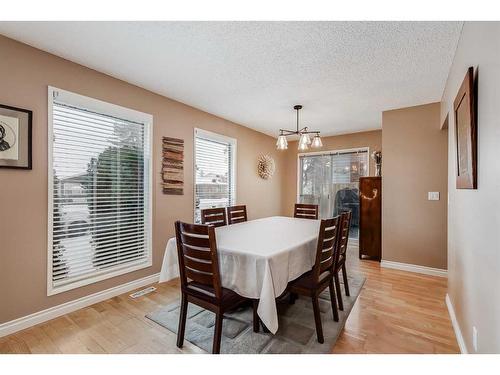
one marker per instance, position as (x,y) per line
(316,182)
(331,180)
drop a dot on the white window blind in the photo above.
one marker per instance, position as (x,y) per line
(99,190)
(215,157)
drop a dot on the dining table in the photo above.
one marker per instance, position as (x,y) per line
(258,258)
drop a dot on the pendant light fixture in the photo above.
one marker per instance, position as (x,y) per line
(303,133)
(282,143)
(316,142)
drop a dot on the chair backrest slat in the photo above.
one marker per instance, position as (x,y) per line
(305,211)
(327,247)
(326,254)
(197,252)
(236,214)
(197,264)
(193,241)
(345,226)
(199,277)
(214,216)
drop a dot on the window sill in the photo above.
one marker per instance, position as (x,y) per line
(104,275)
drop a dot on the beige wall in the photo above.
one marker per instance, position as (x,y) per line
(474,215)
(414,163)
(25,73)
(371,139)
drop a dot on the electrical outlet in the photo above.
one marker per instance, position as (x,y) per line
(474,338)
(433,195)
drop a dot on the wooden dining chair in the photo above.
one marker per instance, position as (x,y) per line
(312,283)
(236,214)
(200,278)
(305,211)
(344,227)
(214,216)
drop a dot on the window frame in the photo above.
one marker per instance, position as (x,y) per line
(218,138)
(328,152)
(112,110)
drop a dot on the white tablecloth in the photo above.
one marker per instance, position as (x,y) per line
(258,258)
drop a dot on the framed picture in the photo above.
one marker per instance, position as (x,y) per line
(15,137)
(466,133)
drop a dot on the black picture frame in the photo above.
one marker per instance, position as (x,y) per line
(28,164)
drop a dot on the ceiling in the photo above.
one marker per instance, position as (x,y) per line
(343,73)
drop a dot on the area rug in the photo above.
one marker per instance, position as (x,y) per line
(296,333)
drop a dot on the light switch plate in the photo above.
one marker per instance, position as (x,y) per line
(433,195)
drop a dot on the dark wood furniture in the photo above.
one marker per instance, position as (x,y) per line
(200,278)
(214,216)
(312,283)
(370,217)
(341,255)
(305,211)
(465,109)
(236,214)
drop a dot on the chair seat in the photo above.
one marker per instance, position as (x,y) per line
(306,281)
(207,293)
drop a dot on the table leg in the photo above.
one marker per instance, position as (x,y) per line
(264,328)
(256,319)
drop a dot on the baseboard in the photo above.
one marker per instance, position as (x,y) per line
(414,268)
(456,327)
(27,321)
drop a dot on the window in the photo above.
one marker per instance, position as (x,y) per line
(215,157)
(99,190)
(330,179)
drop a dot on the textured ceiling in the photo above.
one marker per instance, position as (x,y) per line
(344,73)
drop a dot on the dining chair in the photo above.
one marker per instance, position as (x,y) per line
(312,283)
(344,227)
(236,214)
(305,211)
(200,278)
(214,216)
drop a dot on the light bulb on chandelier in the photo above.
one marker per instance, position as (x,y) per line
(304,140)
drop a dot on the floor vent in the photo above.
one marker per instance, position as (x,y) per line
(143,292)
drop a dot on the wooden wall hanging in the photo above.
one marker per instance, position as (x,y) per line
(173,166)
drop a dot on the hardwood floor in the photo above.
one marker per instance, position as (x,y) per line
(396,312)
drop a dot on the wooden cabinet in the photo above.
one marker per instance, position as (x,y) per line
(370,217)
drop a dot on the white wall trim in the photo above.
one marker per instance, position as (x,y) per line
(27,321)
(456,327)
(414,268)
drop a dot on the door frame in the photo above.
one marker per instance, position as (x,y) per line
(327,152)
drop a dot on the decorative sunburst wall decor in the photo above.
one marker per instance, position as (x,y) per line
(266,166)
